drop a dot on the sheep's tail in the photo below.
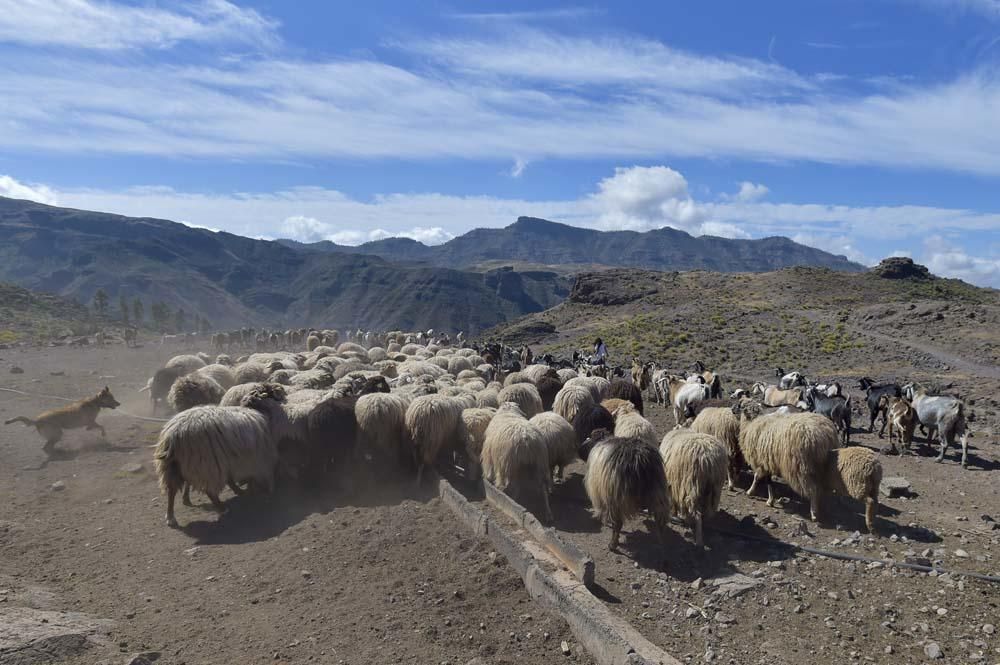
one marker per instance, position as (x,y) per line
(165,462)
(20,419)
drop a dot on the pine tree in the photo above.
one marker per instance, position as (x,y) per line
(137,311)
(101,303)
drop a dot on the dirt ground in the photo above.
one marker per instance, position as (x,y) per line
(384,575)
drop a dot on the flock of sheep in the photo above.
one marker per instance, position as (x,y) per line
(416,401)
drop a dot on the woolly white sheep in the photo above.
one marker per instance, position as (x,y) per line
(515,457)
(695,465)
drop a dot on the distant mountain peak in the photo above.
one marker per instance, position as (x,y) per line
(539,225)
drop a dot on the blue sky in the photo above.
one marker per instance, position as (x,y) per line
(864,128)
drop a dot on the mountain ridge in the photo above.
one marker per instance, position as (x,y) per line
(536,240)
(233,281)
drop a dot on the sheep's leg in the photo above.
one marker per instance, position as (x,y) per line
(965,450)
(616,530)
(216,503)
(814,507)
(753,485)
(186,497)
(170,519)
(549,517)
(871,507)
(420,473)
(771,498)
(235,488)
(699,539)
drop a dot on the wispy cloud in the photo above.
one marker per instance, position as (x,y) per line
(826,45)
(987,8)
(528,16)
(557,97)
(90,24)
(11,188)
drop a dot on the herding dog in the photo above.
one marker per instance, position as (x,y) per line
(82,413)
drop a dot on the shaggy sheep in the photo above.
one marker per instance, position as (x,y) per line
(193,390)
(515,457)
(588,383)
(623,477)
(187,363)
(381,419)
(695,464)
(525,395)
(590,418)
(622,389)
(234,396)
(548,388)
(629,424)
(208,447)
(515,377)
(332,438)
(724,425)
(159,385)
(795,447)
(223,359)
(566,374)
(560,441)
(456,364)
(434,423)
(220,374)
(602,385)
(571,400)
(857,473)
(250,372)
(313,342)
(536,372)
(476,421)
(377,354)
(487,398)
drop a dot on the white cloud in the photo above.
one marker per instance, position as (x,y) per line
(835,245)
(304,229)
(641,198)
(751,192)
(11,188)
(112,26)
(723,230)
(947,260)
(518,168)
(555,97)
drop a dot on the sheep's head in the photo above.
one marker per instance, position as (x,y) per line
(374,384)
(738,393)
(748,408)
(595,437)
(264,395)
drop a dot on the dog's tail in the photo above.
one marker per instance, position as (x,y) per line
(20,419)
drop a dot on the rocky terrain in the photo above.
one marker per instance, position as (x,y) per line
(234,281)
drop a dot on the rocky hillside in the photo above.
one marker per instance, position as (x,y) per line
(26,315)
(540,241)
(882,322)
(232,281)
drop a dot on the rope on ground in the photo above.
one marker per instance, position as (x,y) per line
(863,559)
(67,399)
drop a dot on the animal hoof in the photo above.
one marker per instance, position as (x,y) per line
(171,522)
(939,459)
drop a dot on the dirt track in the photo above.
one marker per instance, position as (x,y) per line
(381,576)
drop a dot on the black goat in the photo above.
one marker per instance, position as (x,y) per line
(874,391)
